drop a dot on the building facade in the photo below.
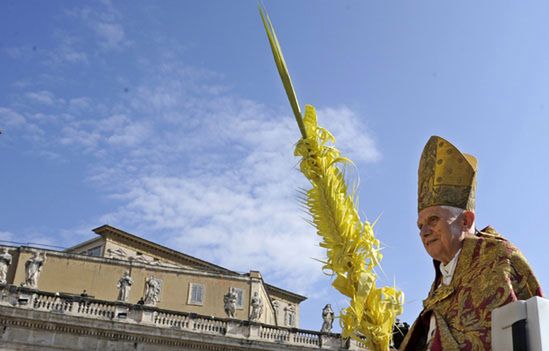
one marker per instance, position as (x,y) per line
(121,292)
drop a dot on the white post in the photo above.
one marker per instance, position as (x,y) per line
(533,313)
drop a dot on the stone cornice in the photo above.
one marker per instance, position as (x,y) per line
(288,294)
(108,231)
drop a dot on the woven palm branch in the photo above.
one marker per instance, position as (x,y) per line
(352,251)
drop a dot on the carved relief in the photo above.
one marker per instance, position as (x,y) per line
(121,254)
(140,259)
(117,253)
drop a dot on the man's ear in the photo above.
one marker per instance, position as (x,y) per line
(468,219)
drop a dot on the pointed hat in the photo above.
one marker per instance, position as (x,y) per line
(446,176)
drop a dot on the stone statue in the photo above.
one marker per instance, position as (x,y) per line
(5,261)
(257,307)
(124,285)
(230,302)
(152,291)
(328,318)
(33,267)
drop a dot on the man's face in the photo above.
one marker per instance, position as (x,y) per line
(440,232)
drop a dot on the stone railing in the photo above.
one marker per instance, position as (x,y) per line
(294,336)
(51,303)
(43,301)
(190,321)
(78,306)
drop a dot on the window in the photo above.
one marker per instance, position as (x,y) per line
(95,251)
(196,294)
(289,316)
(291,319)
(240,298)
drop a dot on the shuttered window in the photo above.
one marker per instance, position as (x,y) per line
(196,294)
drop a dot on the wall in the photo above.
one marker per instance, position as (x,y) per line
(284,304)
(268,316)
(71,273)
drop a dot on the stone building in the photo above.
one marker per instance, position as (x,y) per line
(118,291)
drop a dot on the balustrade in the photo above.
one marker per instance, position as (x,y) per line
(210,326)
(94,309)
(98,309)
(301,337)
(172,320)
(273,333)
(51,303)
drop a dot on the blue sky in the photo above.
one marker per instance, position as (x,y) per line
(168,120)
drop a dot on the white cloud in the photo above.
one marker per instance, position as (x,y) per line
(223,185)
(205,172)
(71,55)
(93,134)
(72,135)
(11,118)
(131,134)
(80,103)
(70,50)
(352,137)
(41,97)
(111,34)
(15,123)
(105,23)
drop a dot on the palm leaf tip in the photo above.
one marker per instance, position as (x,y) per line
(282,69)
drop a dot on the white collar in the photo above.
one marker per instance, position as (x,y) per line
(447,270)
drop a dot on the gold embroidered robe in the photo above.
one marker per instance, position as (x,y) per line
(490,272)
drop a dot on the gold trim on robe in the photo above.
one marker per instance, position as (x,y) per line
(490,273)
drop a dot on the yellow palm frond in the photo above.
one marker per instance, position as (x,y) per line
(351,248)
(352,251)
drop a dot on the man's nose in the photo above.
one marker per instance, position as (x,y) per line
(425,231)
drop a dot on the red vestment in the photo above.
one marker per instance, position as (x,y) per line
(490,273)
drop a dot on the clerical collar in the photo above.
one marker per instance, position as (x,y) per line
(447,270)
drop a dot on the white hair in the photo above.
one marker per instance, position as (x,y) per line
(456,212)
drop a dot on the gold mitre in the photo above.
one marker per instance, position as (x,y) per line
(446,176)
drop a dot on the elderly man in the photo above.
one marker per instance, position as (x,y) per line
(475,271)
